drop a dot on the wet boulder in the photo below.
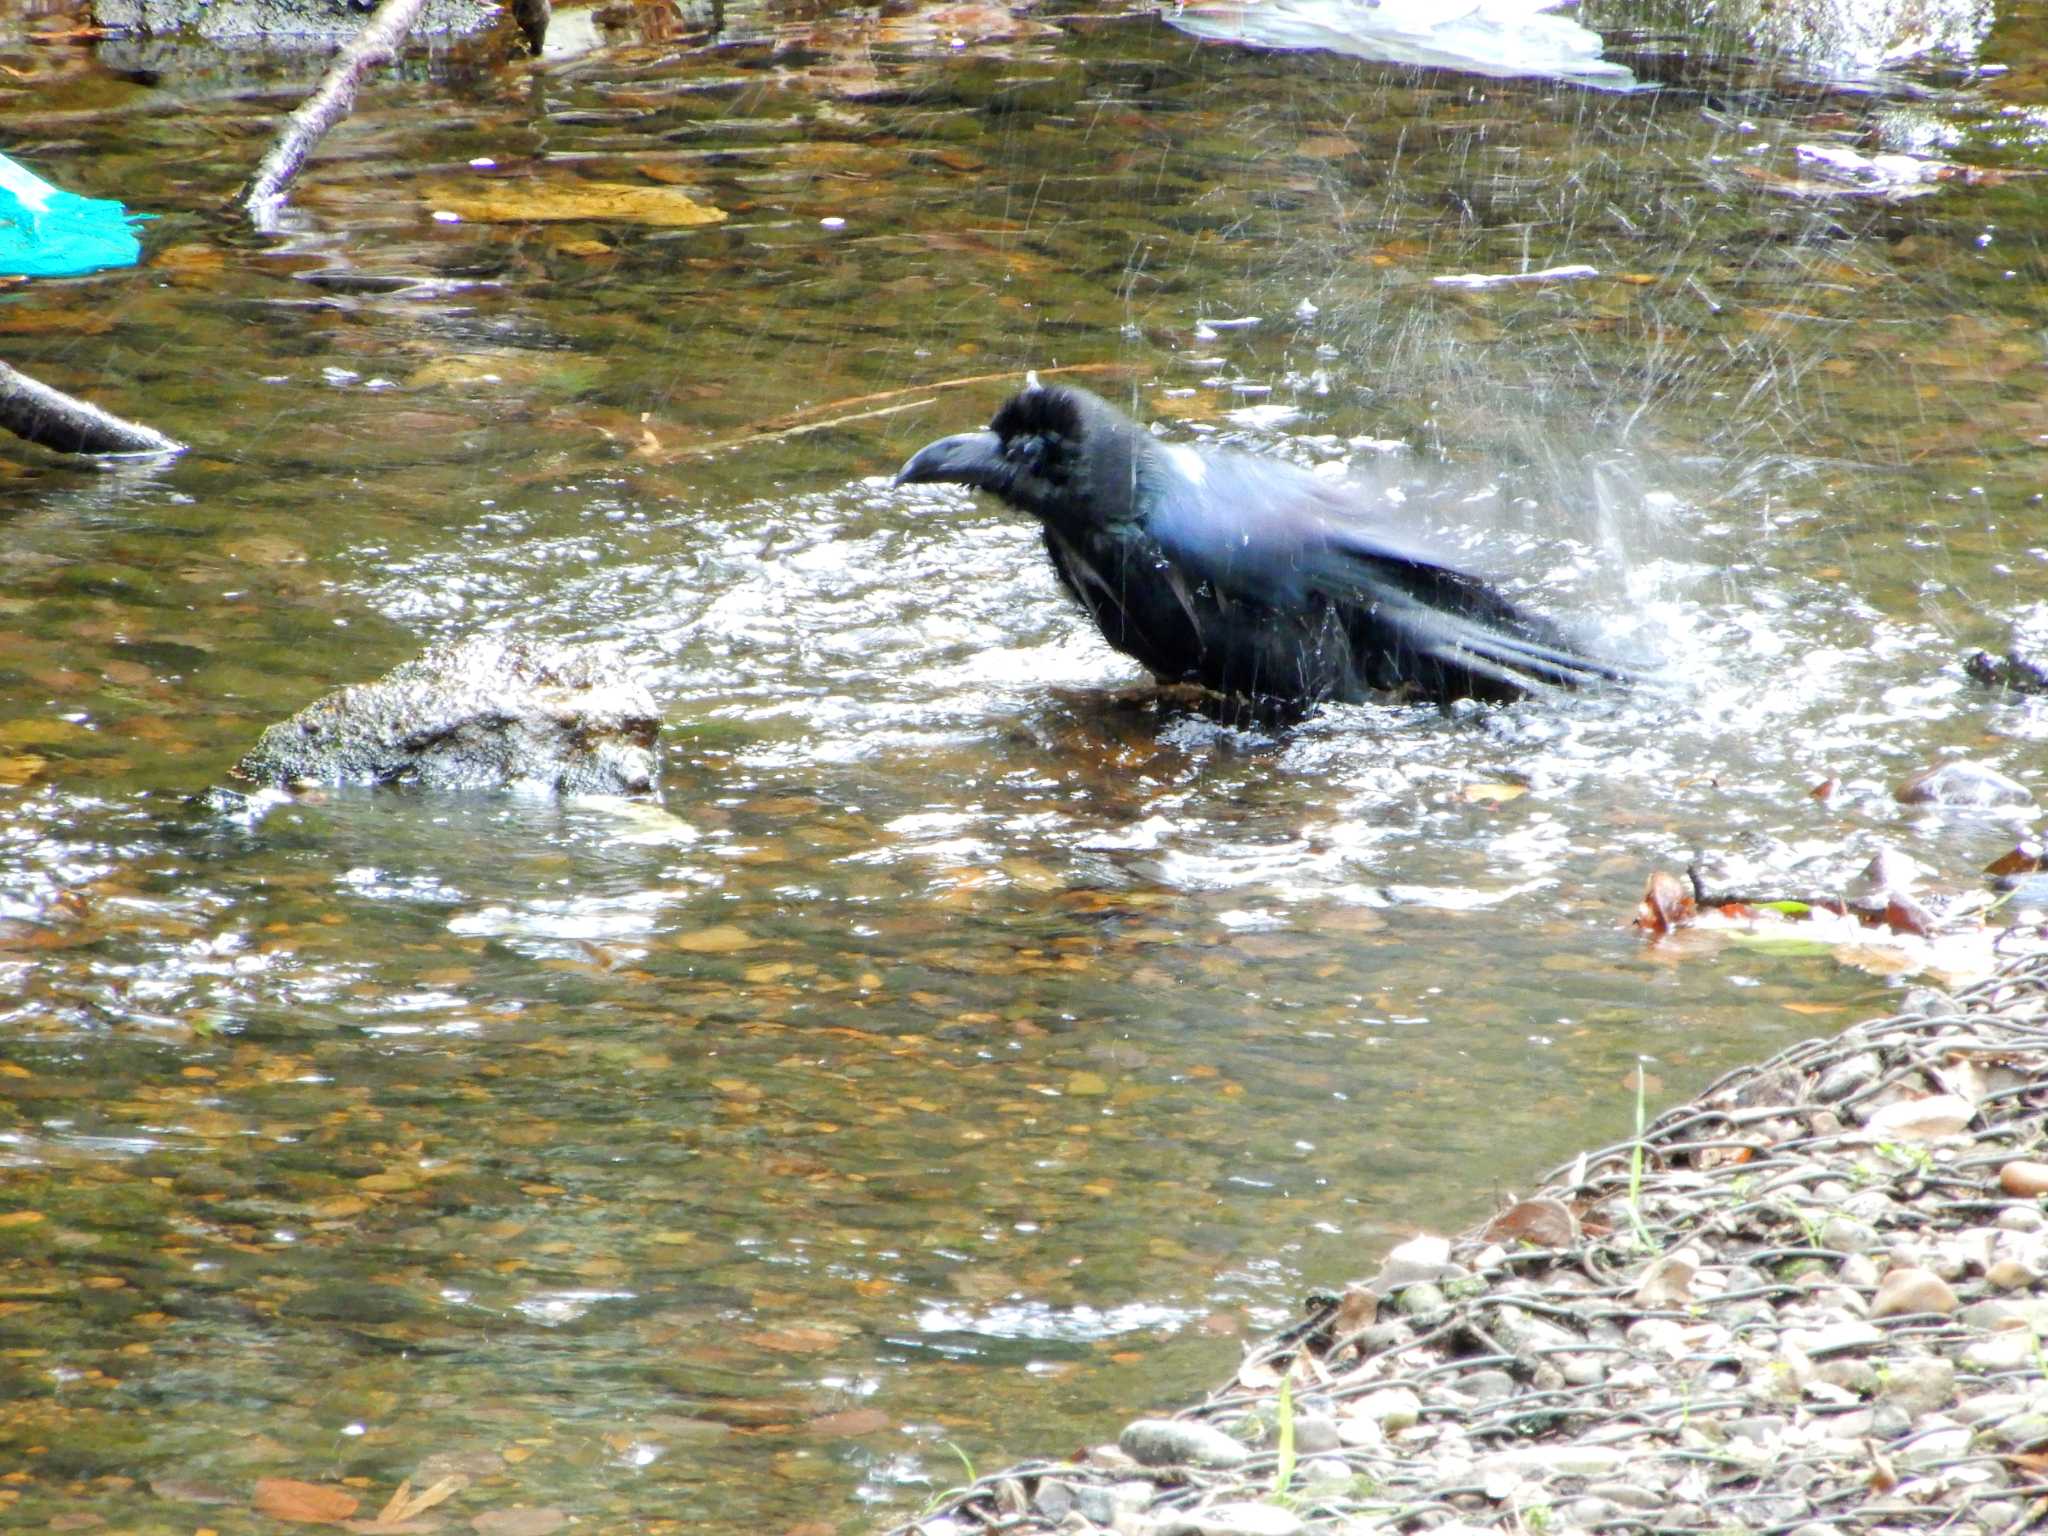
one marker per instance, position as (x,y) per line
(1963,783)
(486,712)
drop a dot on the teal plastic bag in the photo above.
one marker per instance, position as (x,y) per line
(48,232)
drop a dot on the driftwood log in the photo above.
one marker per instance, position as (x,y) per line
(32,409)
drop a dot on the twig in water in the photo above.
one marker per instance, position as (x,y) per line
(376,44)
(793,424)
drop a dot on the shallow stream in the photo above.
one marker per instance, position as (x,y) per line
(1004,1045)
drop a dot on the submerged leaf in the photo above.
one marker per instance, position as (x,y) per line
(285,1498)
(596,201)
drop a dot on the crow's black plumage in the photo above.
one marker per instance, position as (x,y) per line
(1244,574)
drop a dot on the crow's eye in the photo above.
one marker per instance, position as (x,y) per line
(1026,452)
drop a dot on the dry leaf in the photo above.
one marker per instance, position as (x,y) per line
(404,1503)
(284,1498)
(1543,1222)
(1666,904)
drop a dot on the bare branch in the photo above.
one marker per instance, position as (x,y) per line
(32,409)
(330,102)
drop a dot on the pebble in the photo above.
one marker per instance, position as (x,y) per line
(2025,1178)
(1939,1444)
(1582,1370)
(1547,1461)
(2004,1351)
(1847,1235)
(1858,1376)
(1913,1290)
(1835,1338)
(1988,1405)
(1315,1432)
(2012,1274)
(1421,1299)
(1627,1495)
(1174,1442)
(1382,1338)
(1486,1386)
(1873,1206)
(1850,1075)
(1241,1519)
(1919,1383)
(1991,1315)
(1928,1119)
(1055,1499)
(1418,1259)
(1859,1270)
(1525,1331)
(1328,1471)
(2021,1218)
(1393,1409)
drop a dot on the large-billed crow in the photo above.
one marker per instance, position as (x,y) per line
(1247,575)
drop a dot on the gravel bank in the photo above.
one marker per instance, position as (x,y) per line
(1809,1303)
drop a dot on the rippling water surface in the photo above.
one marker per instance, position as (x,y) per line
(980,1046)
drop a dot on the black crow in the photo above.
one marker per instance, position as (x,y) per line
(1247,575)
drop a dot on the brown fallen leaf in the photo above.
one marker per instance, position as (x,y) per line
(1542,1222)
(1666,904)
(285,1498)
(404,1503)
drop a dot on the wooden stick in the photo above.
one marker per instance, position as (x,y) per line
(797,431)
(376,44)
(960,383)
(794,425)
(32,409)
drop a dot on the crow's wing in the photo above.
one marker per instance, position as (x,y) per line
(1276,536)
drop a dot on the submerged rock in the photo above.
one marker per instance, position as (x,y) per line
(1963,783)
(485,712)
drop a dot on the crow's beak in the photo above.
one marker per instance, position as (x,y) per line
(968,458)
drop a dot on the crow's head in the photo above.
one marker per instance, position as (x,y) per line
(1059,453)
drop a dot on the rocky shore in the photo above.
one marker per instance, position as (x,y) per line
(1811,1302)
